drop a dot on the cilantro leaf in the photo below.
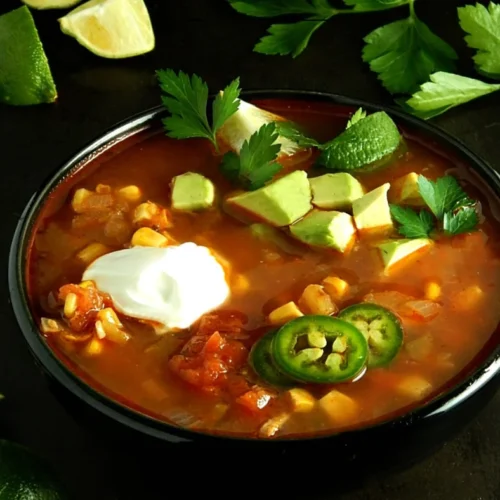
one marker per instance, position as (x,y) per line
(186,99)
(463,220)
(356,117)
(412,224)
(445,91)
(443,195)
(256,163)
(405,53)
(289,131)
(272,8)
(483,26)
(286,39)
(373,5)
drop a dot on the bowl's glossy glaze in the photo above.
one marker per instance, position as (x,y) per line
(408,436)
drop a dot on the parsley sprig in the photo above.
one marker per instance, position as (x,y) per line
(186,99)
(452,208)
(256,164)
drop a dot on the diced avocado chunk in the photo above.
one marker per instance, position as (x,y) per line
(272,235)
(371,212)
(280,203)
(335,191)
(192,191)
(364,146)
(394,251)
(325,229)
(405,191)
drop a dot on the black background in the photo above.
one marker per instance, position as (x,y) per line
(209,38)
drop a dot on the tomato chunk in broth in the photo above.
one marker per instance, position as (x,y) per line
(446,299)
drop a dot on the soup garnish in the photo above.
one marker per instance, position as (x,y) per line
(238,285)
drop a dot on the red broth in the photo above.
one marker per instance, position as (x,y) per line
(144,373)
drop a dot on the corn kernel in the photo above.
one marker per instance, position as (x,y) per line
(284,314)
(48,325)
(315,300)
(79,199)
(111,326)
(103,189)
(70,305)
(468,299)
(130,193)
(87,284)
(432,290)
(101,334)
(341,409)
(93,348)
(302,400)
(335,287)
(92,252)
(147,237)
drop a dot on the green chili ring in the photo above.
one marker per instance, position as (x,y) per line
(381,328)
(320,349)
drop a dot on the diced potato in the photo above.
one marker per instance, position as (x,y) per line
(130,193)
(432,290)
(284,314)
(415,387)
(420,348)
(302,401)
(468,299)
(273,425)
(93,348)
(70,305)
(49,325)
(147,237)
(103,189)
(152,215)
(337,288)
(77,203)
(92,252)
(316,301)
(341,409)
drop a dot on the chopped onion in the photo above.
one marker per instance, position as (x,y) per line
(423,310)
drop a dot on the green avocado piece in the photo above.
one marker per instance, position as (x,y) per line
(192,191)
(274,236)
(325,229)
(280,203)
(371,212)
(364,146)
(393,251)
(335,191)
(405,191)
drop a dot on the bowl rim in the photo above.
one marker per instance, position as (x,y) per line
(462,390)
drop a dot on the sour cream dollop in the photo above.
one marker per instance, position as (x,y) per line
(173,286)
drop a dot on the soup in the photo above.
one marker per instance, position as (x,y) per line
(263,327)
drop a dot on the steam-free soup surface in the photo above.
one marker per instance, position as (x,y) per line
(458,279)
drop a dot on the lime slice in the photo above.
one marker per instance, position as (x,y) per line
(51,4)
(114,29)
(365,145)
(25,76)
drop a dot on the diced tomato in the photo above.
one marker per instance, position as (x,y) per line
(237,385)
(214,344)
(89,303)
(221,321)
(255,399)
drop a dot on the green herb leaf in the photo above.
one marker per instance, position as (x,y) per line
(483,26)
(186,100)
(255,165)
(443,195)
(445,91)
(405,53)
(356,117)
(412,224)
(463,220)
(286,39)
(373,5)
(272,8)
(290,131)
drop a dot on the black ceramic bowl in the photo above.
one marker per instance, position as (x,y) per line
(410,434)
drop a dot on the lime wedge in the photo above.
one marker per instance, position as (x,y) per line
(114,29)
(51,4)
(25,76)
(365,145)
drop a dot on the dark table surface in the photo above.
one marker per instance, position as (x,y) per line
(207,37)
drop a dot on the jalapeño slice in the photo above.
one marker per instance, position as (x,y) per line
(319,349)
(261,361)
(381,328)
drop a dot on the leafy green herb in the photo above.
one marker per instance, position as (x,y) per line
(405,53)
(373,5)
(256,163)
(412,224)
(290,131)
(272,8)
(186,99)
(356,117)
(445,91)
(483,26)
(463,220)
